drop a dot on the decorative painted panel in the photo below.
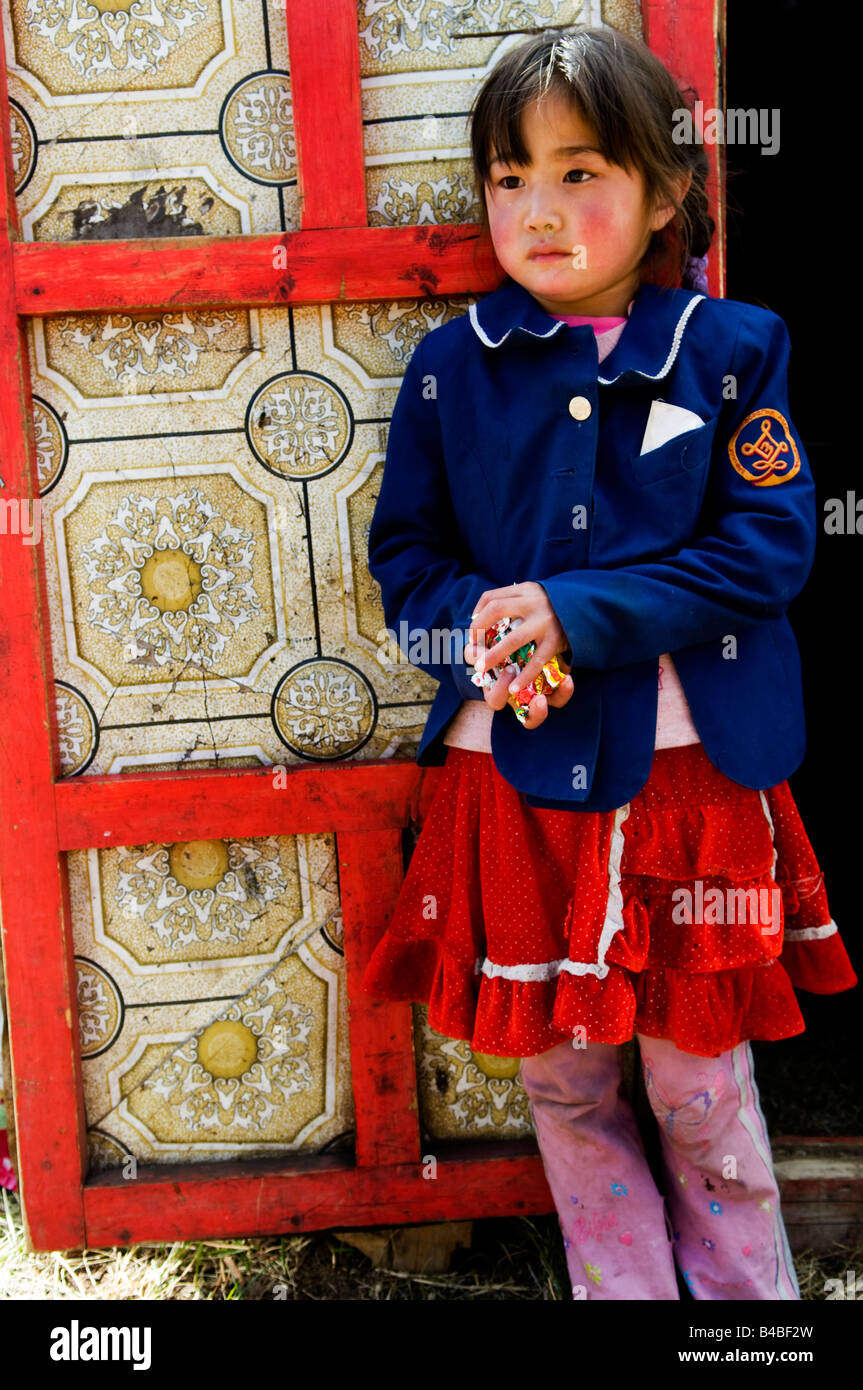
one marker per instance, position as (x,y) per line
(208,479)
(211,998)
(170,118)
(465,1094)
(208,484)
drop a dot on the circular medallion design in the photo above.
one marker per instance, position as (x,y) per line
(256,125)
(100,1007)
(500,1068)
(299,425)
(227,1048)
(106,1151)
(251,1075)
(199,863)
(323,709)
(202,899)
(77,729)
(171,580)
(25,145)
(52,444)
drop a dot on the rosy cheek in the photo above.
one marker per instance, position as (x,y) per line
(597,222)
(604,232)
(503,233)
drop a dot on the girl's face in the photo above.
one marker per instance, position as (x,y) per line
(570,227)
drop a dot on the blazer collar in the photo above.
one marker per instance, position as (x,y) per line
(647,347)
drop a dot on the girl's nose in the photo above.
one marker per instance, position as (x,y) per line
(543,218)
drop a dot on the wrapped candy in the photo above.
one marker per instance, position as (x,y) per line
(548,679)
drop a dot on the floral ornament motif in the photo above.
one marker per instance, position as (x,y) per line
(481,1094)
(100,1007)
(172,574)
(716,1208)
(52,445)
(708,1244)
(594,1273)
(107,37)
(619,1189)
(403,325)
(394,27)
(231,1077)
(77,730)
(134,350)
(23,143)
(257,125)
(323,709)
(204,891)
(405,202)
(299,425)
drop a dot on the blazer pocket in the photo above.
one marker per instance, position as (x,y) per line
(685,453)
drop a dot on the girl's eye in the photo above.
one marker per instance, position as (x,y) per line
(511,181)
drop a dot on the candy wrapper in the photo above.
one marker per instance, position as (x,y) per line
(548,679)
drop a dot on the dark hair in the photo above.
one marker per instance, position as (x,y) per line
(629,99)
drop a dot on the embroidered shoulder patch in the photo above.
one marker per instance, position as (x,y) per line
(762,449)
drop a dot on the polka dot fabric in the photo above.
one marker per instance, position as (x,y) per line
(519,926)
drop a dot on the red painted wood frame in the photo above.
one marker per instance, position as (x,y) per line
(334,256)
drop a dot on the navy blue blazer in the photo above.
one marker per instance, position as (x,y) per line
(513,457)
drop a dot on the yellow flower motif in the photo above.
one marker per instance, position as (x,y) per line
(594,1273)
(765,1205)
(683,1179)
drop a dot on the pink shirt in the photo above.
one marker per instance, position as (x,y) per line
(470,727)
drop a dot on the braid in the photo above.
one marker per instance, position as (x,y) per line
(701,224)
(678,252)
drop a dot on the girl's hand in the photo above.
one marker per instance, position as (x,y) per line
(539,624)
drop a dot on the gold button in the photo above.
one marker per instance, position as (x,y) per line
(580,407)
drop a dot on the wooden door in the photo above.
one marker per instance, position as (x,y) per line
(103,807)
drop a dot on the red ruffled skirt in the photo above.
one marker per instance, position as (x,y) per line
(691,914)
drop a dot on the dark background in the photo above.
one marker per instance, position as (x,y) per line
(791,216)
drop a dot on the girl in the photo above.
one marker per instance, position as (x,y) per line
(630,861)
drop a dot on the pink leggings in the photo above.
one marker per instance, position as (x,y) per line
(719,1218)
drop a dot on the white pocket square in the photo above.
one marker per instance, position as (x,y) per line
(665,422)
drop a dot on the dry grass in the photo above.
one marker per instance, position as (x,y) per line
(510,1259)
(314,1266)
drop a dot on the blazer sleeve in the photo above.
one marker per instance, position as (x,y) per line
(415,552)
(753,553)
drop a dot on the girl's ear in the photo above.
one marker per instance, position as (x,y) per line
(663,213)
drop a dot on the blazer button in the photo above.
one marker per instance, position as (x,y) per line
(580,407)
